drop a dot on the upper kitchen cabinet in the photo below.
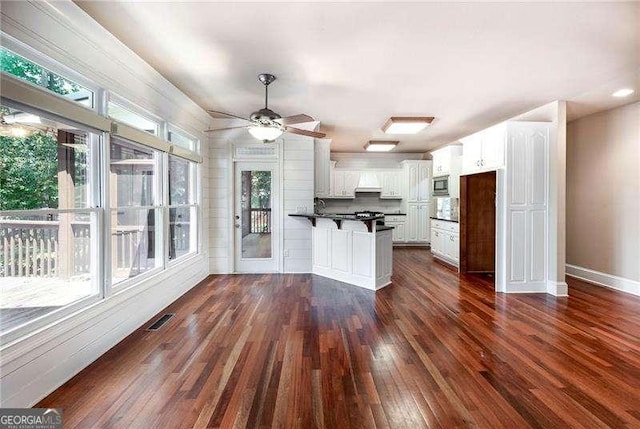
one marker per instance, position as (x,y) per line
(484,150)
(418,181)
(322,164)
(444,160)
(345,183)
(391,184)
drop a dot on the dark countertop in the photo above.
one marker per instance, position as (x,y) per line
(371,222)
(383,227)
(395,214)
(334,216)
(445,220)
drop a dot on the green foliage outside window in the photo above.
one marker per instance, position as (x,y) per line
(24,69)
(28,172)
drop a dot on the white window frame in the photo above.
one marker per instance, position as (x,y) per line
(99,204)
(158,204)
(135,109)
(195,206)
(177,130)
(38,58)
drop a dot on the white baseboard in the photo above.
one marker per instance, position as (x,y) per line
(557,288)
(603,279)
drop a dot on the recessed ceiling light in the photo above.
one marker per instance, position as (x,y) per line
(625,92)
(380,145)
(406,125)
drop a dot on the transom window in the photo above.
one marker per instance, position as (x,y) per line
(22,68)
(129,117)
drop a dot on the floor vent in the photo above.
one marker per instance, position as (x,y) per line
(160,322)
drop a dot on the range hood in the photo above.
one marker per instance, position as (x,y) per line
(369,182)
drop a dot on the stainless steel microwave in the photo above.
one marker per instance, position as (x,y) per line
(440,186)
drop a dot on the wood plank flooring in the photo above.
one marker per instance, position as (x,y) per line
(432,350)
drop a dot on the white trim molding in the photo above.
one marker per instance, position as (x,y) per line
(603,279)
(557,288)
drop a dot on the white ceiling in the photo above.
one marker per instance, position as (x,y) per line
(352,65)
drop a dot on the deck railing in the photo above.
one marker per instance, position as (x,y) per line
(31,248)
(260,221)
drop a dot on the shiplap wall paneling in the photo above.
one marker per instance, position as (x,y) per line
(298,194)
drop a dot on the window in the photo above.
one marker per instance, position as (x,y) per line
(20,67)
(182,139)
(48,220)
(127,116)
(182,207)
(66,241)
(136,235)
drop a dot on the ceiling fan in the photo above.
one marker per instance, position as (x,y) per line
(265,124)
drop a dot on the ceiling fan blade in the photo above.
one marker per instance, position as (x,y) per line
(223,115)
(224,129)
(306,133)
(295,119)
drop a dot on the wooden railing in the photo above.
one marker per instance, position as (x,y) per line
(30,248)
(260,221)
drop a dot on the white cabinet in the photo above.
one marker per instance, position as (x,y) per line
(345,183)
(417,228)
(322,168)
(445,241)
(444,160)
(418,181)
(391,184)
(398,222)
(484,151)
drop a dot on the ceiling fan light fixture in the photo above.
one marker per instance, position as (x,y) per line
(380,145)
(406,124)
(265,133)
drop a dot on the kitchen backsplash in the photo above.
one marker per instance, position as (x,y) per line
(363,202)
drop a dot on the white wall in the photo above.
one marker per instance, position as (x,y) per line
(603,197)
(34,366)
(297,191)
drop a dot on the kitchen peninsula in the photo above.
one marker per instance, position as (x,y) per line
(352,249)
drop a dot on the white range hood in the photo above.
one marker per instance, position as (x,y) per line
(369,182)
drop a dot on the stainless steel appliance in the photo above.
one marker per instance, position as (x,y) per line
(368,213)
(440,187)
(444,208)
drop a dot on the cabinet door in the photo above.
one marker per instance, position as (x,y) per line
(338,183)
(424,226)
(493,145)
(322,172)
(387,185)
(400,232)
(424,182)
(441,164)
(436,241)
(471,153)
(413,216)
(395,184)
(351,182)
(454,250)
(412,182)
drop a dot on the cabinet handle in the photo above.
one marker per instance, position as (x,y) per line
(451,237)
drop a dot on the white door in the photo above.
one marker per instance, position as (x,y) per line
(256,217)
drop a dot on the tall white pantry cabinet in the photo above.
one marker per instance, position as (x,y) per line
(416,200)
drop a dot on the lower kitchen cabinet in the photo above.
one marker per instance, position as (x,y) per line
(417,229)
(445,241)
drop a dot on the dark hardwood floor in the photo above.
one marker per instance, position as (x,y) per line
(431,350)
